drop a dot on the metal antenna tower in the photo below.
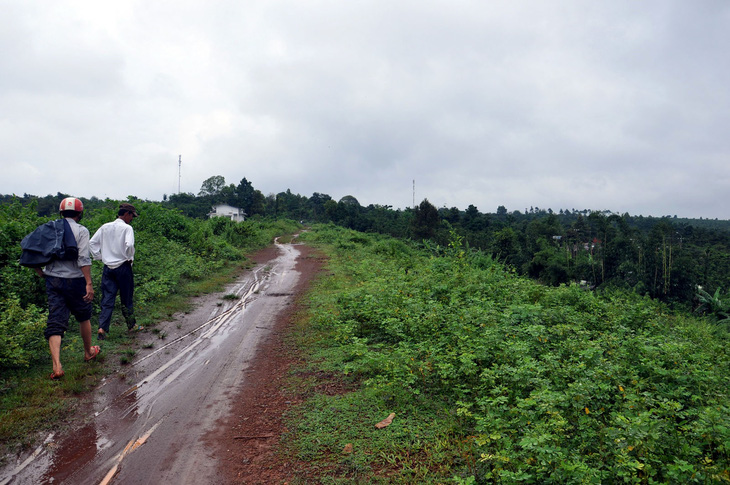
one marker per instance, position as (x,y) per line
(179,172)
(414,193)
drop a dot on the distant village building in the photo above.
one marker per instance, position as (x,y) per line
(224,210)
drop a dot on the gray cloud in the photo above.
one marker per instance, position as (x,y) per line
(567,104)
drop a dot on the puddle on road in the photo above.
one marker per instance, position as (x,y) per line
(79,449)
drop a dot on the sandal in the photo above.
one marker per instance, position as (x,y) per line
(136,328)
(56,375)
(101,335)
(94,351)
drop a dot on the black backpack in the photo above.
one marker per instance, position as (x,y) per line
(52,241)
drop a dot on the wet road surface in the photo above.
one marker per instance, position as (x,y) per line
(147,426)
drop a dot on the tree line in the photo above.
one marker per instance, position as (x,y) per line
(666,258)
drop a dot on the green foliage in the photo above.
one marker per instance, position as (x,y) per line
(170,249)
(175,255)
(425,221)
(715,304)
(212,185)
(19,331)
(546,385)
(666,258)
(16,221)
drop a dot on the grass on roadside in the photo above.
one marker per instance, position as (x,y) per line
(332,436)
(495,379)
(32,404)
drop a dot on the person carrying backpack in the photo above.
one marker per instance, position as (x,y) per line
(69,289)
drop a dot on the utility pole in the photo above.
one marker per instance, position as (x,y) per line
(179,172)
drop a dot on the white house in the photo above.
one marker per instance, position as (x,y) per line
(224,210)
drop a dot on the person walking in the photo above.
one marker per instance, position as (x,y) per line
(113,243)
(69,290)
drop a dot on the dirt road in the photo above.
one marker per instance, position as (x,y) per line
(170,417)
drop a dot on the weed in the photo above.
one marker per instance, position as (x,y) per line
(495,379)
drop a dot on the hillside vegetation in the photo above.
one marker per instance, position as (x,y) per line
(177,256)
(666,258)
(494,378)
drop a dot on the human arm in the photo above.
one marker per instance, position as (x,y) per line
(129,243)
(95,244)
(86,270)
(83,244)
(84,261)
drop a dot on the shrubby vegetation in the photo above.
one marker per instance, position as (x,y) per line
(497,379)
(171,249)
(667,258)
(609,364)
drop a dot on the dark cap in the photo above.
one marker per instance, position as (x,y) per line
(128,208)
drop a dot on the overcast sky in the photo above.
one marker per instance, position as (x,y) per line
(617,105)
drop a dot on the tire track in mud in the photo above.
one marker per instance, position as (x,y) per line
(151,432)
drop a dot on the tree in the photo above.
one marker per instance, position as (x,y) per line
(258,206)
(290,205)
(190,205)
(330,208)
(316,204)
(246,195)
(474,220)
(506,246)
(452,215)
(227,195)
(349,200)
(212,186)
(425,221)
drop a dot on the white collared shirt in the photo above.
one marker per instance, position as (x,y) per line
(113,243)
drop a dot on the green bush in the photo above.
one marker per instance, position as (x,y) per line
(16,222)
(20,329)
(551,385)
(170,249)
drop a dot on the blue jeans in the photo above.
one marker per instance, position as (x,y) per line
(116,280)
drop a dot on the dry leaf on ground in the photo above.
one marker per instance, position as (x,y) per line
(386,421)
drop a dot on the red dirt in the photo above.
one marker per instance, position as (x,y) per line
(246,442)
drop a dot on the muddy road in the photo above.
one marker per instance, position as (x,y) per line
(152,421)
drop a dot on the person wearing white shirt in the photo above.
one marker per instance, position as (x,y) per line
(113,244)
